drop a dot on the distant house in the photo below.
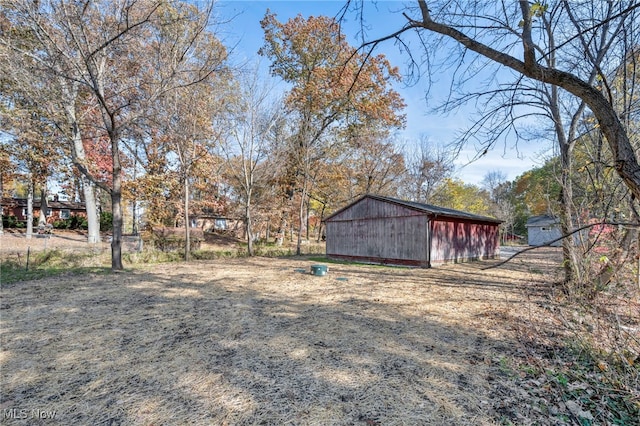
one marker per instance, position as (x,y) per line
(542,229)
(57,210)
(215,223)
(385,230)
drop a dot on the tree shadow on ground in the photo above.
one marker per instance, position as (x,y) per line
(252,341)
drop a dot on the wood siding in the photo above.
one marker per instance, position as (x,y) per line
(378,232)
(461,241)
(368,208)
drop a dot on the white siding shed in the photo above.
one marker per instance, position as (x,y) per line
(542,229)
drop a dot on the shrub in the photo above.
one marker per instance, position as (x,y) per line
(169,239)
(106,221)
(60,224)
(9,221)
(73,222)
(77,222)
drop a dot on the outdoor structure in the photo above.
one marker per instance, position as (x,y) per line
(510,237)
(384,230)
(213,223)
(57,210)
(542,229)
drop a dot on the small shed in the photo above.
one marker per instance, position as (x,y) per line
(384,230)
(542,229)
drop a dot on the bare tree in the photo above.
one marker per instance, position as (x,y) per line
(492,31)
(7,169)
(499,189)
(189,134)
(564,114)
(246,147)
(375,164)
(185,121)
(428,167)
(29,145)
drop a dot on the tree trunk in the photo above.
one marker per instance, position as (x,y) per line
(301,211)
(571,261)
(116,239)
(267,235)
(1,208)
(187,233)
(116,205)
(282,229)
(91,206)
(134,217)
(30,210)
(308,213)
(79,160)
(324,206)
(248,226)
(44,207)
(134,203)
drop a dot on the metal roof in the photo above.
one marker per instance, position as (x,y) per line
(427,208)
(542,220)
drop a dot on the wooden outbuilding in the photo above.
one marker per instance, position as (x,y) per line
(542,229)
(384,230)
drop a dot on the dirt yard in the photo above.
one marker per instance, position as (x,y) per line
(261,341)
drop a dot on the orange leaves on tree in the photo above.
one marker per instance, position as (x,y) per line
(100,162)
(331,80)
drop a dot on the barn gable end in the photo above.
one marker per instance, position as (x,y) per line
(367,208)
(375,231)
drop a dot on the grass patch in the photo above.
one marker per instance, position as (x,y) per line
(153,256)
(228,251)
(252,341)
(325,259)
(217,254)
(285,251)
(50,263)
(595,388)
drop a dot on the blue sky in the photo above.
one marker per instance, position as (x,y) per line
(244,35)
